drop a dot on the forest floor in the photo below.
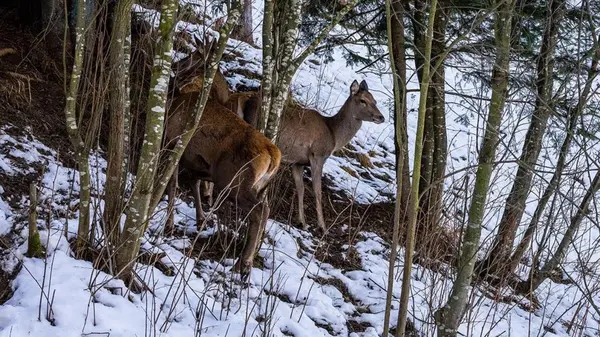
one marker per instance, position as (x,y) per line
(304,283)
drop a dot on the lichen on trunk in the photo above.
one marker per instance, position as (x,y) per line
(137,213)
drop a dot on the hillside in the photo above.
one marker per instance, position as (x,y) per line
(303,283)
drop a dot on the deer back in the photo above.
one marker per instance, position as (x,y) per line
(219,134)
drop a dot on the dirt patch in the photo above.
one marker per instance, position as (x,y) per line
(31,88)
(340,286)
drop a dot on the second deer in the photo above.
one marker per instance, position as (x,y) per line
(307,138)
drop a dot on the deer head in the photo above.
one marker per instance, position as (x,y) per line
(189,70)
(363,106)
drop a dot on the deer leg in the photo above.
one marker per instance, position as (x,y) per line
(259,212)
(198,204)
(171,190)
(208,192)
(316,166)
(297,173)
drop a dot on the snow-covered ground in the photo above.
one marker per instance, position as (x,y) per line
(293,293)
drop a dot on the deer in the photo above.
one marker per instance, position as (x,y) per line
(307,138)
(227,152)
(188,78)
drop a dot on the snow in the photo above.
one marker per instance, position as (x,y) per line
(294,293)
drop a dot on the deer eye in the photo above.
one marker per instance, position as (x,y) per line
(363,102)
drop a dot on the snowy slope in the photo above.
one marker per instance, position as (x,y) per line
(293,293)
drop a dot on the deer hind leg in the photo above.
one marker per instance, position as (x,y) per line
(171,191)
(257,218)
(316,166)
(200,218)
(207,191)
(297,173)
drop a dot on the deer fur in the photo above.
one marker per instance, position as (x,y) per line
(229,153)
(307,138)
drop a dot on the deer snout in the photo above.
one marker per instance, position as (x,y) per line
(378,118)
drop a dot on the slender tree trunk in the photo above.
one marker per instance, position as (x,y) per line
(433,167)
(560,164)
(496,262)
(395,28)
(268,63)
(74,131)
(119,119)
(138,208)
(243,30)
(34,245)
(414,195)
(537,276)
(449,316)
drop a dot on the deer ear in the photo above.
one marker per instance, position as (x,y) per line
(354,87)
(364,86)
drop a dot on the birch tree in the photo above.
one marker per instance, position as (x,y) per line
(74,130)
(138,209)
(449,316)
(500,253)
(280,33)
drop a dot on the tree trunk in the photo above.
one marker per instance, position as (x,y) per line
(116,171)
(73,129)
(138,207)
(414,195)
(448,317)
(395,28)
(243,30)
(34,245)
(433,167)
(536,277)
(560,165)
(496,262)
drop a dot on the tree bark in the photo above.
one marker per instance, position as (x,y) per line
(34,245)
(496,262)
(243,30)
(414,195)
(138,208)
(395,27)
(560,164)
(433,167)
(74,131)
(449,316)
(119,99)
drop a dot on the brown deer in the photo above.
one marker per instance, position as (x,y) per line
(188,78)
(228,152)
(308,138)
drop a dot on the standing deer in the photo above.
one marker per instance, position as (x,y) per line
(308,138)
(228,152)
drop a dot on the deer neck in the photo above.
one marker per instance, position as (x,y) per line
(343,126)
